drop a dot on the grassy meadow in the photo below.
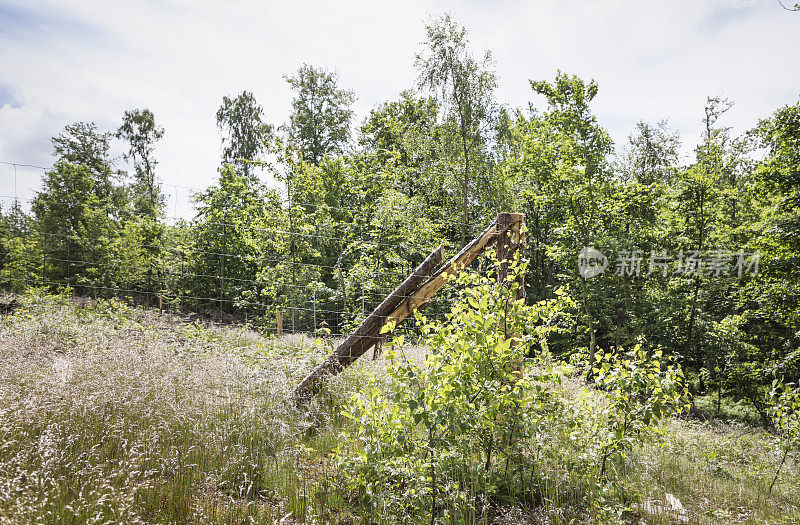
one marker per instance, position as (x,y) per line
(119,414)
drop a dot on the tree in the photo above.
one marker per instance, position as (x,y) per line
(697,201)
(652,154)
(19,255)
(74,226)
(234,241)
(319,124)
(774,299)
(245,134)
(402,134)
(463,412)
(464,86)
(81,144)
(580,174)
(139,129)
(77,209)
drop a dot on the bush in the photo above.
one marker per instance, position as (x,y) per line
(448,433)
(640,390)
(784,413)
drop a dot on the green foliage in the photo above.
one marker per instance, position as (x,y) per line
(320,121)
(451,428)
(233,238)
(640,390)
(784,413)
(140,130)
(74,226)
(465,88)
(245,135)
(82,144)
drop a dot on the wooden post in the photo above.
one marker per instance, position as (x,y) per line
(510,244)
(511,241)
(278,324)
(368,332)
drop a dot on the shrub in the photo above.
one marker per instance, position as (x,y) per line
(447,432)
(785,415)
(640,390)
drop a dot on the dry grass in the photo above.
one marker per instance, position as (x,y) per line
(112,414)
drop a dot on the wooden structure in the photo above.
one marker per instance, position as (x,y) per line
(415,293)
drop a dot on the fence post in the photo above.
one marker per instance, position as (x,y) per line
(315,312)
(511,241)
(278,324)
(222,267)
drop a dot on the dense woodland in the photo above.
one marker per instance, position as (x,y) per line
(358,204)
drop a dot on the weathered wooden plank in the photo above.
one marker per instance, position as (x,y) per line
(368,332)
(423,296)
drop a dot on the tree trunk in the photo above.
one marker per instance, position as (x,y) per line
(464,194)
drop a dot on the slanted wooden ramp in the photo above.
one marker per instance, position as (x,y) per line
(414,293)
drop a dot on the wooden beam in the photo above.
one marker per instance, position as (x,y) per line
(368,332)
(423,296)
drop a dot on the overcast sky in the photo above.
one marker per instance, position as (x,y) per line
(67,61)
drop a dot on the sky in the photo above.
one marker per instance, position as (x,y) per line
(68,61)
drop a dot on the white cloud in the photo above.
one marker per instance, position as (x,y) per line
(91,60)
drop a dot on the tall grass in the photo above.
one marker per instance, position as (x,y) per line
(113,414)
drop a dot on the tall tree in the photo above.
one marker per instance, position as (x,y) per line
(140,130)
(580,172)
(245,135)
(464,86)
(776,301)
(697,201)
(320,121)
(81,144)
(652,154)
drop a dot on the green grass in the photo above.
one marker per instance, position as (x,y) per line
(114,414)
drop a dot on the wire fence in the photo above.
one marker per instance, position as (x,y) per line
(202,268)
